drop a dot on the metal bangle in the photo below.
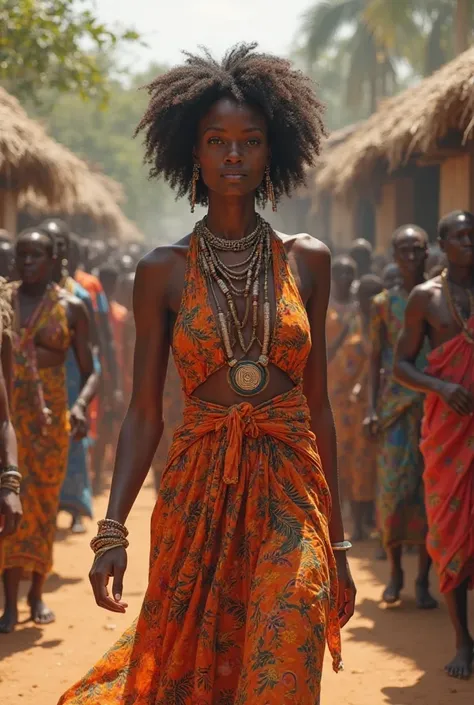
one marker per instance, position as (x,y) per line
(10,473)
(341,546)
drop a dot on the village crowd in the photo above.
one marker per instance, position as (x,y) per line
(400,350)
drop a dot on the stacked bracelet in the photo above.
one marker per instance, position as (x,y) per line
(10,479)
(111,534)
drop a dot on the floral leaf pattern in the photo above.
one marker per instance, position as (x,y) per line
(242,578)
(42,457)
(448,449)
(400,501)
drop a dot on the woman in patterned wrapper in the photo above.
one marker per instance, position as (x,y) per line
(248,575)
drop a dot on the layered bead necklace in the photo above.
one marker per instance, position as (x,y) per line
(455,311)
(243,280)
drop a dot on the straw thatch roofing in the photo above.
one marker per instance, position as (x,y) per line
(96,194)
(51,179)
(29,158)
(411,122)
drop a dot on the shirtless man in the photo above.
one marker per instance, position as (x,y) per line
(443,310)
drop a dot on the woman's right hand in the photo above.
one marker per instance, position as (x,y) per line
(111,564)
(371,424)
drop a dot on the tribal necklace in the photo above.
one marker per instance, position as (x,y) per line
(456,313)
(246,377)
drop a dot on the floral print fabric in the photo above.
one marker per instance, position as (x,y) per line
(242,593)
(400,496)
(347,382)
(448,449)
(42,451)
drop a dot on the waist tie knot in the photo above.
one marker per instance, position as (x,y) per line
(239,422)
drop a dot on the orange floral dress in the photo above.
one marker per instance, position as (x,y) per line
(347,383)
(242,593)
(42,447)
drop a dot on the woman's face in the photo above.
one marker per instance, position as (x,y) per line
(232,148)
(34,261)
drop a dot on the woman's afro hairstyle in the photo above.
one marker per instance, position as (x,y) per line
(182,96)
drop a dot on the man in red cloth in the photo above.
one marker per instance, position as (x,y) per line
(443,309)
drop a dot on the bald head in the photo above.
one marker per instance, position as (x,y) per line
(454,221)
(409,231)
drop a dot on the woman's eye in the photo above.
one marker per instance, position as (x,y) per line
(215,140)
(254,142)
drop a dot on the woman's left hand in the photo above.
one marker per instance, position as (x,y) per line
(347,589)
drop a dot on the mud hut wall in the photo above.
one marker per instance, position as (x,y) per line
(342,222)
(385,216)
(8,210)
(456,183)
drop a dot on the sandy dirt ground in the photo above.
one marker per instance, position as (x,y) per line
(392,656)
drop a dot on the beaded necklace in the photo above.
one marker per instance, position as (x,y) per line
(246,377)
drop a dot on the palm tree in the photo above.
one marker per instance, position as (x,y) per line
(371,54)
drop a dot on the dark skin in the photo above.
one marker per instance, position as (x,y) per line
(232,150)
(409,251)
(428,313)
(6,260)
(10,504)
(343,276)
(35,263)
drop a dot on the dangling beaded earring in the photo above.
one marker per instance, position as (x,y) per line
(194,186)
(270,189)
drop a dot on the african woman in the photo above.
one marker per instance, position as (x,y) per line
(243,590)
(47,322)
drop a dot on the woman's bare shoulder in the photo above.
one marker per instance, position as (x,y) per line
(313,253)
(161,260)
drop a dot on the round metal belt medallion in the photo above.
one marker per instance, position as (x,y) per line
(248,378)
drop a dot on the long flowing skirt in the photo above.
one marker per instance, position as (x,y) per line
(400,492)
(42,459)
(242,593)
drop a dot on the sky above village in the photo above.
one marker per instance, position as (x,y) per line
(168,26)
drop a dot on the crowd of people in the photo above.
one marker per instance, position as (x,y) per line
(248,567)
(67,351)
(401,383)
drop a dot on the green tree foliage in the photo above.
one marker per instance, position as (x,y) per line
(104,138)
(54,44)
(360,51)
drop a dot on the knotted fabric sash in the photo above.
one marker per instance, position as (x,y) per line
(285,418)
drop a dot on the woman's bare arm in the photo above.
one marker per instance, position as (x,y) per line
(143,424)
(10,506)
(318,259)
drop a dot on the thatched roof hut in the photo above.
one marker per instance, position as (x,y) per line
(410,123)
(50,179)
(31,159)
(95,204)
